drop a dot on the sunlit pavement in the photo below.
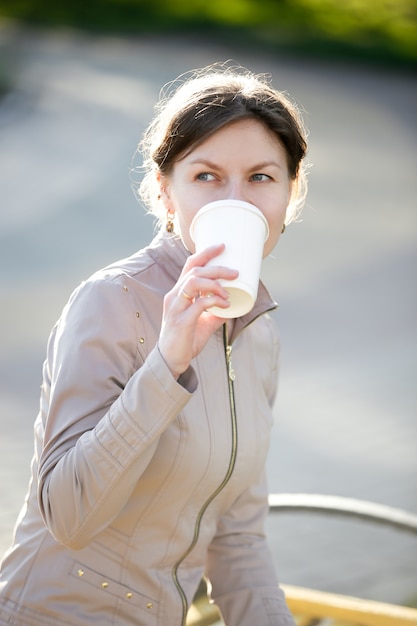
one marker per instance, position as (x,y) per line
(345,277)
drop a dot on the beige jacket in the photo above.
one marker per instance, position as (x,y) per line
(141,483)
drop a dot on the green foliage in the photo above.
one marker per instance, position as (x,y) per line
(373,29)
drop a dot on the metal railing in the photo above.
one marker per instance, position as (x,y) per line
(316,608)
(340,506)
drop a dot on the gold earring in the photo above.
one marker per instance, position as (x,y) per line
(170,223)
(283,229)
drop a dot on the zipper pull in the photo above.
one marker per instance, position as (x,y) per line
(229,363)
(228,353)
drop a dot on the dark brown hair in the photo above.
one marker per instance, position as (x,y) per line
(209,100)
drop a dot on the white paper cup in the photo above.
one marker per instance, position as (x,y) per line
(243,229)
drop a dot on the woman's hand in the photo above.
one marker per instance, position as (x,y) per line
(187,323)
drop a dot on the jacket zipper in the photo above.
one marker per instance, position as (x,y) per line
(229,472)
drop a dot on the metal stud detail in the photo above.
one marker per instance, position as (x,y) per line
(104,585)
(141,340)
(149,605)
(80,572)
(125,288)
(137,314)
(129,595)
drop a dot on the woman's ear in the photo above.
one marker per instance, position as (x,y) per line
(292,189)
(164,195)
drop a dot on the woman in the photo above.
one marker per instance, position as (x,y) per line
(150,444)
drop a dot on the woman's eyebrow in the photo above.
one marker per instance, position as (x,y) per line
(205,162)
(257,166)
(263,164)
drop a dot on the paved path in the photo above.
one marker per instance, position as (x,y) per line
(345,276)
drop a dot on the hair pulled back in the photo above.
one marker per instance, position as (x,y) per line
(196,106)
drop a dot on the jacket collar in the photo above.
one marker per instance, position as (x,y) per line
(170,250)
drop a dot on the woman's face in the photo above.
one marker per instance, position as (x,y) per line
(243,160)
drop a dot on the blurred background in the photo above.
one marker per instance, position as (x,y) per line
(78,82)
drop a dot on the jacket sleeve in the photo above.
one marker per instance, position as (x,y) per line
(267,344)
(240,566)
(105,407)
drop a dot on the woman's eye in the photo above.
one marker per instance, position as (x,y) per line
(260,177)
(205,176)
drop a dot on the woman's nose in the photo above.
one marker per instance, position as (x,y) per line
(235,191)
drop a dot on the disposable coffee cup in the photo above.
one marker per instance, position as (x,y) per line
(243,229)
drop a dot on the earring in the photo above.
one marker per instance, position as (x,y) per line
(170,224)
(283,229)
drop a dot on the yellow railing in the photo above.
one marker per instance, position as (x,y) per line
(317,608)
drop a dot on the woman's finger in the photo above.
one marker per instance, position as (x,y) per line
(187,296)
(200,259)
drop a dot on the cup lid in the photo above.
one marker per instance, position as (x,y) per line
(229,203)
